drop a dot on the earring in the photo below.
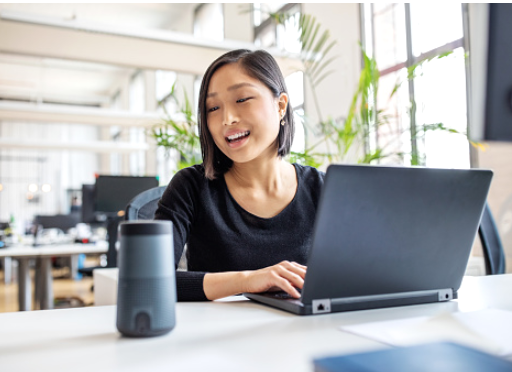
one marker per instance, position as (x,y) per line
(282,122)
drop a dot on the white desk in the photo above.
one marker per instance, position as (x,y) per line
(43,254)
(233,335)
(105,286)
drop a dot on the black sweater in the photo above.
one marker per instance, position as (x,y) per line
(222,236)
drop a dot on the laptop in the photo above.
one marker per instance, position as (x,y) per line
(388,236)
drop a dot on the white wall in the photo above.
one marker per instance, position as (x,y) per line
(238,22)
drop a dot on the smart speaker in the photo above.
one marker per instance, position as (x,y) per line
(146,293)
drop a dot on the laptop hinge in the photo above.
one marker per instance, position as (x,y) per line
(321,306)
(445,294)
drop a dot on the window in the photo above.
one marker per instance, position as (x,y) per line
(261,11)
(137,102)
(164,82)
(399,36)
(209,21)
(295,86)
(269,34)
(137,93)
(284,37)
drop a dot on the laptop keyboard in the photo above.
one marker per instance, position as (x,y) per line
(282,294)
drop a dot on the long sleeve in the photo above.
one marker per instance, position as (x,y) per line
(178,205)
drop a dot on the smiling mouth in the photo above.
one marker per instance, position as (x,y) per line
(237,137)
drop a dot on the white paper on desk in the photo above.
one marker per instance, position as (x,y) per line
(489,330)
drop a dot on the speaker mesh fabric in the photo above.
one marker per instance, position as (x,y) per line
(154,296)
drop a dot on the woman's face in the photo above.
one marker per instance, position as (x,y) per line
(242,115)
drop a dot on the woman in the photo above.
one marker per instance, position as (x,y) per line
(245,214)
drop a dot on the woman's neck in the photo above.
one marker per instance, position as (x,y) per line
(263,189)
(270,176)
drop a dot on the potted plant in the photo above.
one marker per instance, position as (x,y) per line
(178,130)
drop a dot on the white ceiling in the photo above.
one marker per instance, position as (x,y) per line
(161,16)
(39,79)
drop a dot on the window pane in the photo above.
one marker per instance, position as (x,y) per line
(389,34)
(267,37)
(197,91)
(299,140)
(209,22)
(164,83)
(256,14)
(271,8)
(435,25)
(440,93)
(393,130)
(288,35)
(295,85)
(137,94)
(367,28)
(261,11)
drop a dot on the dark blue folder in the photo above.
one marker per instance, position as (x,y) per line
(435,357)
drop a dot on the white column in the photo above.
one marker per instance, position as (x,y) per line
(151,106)
(125,132)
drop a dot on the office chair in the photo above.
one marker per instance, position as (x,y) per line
(141,207)
(144,205)
(494,254)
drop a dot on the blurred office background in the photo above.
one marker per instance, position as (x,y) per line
(79,86)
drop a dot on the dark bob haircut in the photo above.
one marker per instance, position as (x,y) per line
(259,65)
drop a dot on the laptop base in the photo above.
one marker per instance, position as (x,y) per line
(325,306)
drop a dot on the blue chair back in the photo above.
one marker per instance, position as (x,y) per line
(144,205)
(494,254)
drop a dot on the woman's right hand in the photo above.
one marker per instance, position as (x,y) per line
(286,276)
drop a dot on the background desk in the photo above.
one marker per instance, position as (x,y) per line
(232,335)
(43,254)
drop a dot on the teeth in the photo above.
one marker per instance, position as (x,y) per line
(238,135)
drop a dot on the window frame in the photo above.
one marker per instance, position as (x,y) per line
(411,60)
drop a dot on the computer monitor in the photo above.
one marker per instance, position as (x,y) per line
(112,193)
(490,29)
(88,201)
(59,221)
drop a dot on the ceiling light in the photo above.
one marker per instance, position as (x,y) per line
(32,187)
